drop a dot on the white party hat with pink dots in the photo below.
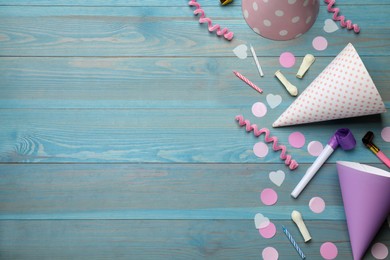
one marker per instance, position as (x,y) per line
(343,89)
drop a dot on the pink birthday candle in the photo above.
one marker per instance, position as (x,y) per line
(247,81)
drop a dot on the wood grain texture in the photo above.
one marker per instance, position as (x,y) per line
(175,191)
(118,138)
(142,31)
(158,82)
(160,239)
(151,3)
(158,135)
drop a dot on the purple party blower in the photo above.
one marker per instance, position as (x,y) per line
(366,197)
(343,138)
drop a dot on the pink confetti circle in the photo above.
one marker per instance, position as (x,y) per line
(320,43)
(315,148)
(317,205)
(269,231)
(260,149)
(259,109)
(296,140)
(329,250)
(386,134)
(379,251)
(287,59)
(269,197)
(270,253)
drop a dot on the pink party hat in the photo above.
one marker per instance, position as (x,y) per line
(343,89)
(280,20)
(366,197)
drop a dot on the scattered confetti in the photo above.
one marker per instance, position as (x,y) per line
(269,231)
(273,100)
(259,109)
(296,140)
(328,250)
(287,59)
(269,197)
(386,134)
(317,205)
(241,51)
(330,26)
(261,221)
(315,148)
(260,149)
(270,253)
(379,251)
(320,43)
(277,177)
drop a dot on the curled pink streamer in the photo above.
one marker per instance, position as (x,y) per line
(203,19)
(341,18)
(249,128)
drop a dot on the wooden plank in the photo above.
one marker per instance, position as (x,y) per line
(163,239)
(154,82)
(160,135)
(151,3)
(139,31)
(146,240)
(159,191)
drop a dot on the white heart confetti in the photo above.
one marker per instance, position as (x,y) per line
(273,100)
(277,177)
(330,26)
(261,221)
(241,51)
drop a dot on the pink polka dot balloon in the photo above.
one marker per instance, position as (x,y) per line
(280,20)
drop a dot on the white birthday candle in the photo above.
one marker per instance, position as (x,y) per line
(257,61)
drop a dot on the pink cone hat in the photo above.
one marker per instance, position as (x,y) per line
(280,19)
(366,197)
(343,89)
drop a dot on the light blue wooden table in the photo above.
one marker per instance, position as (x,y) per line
(118,138)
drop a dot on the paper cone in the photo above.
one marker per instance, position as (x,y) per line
(366,197)
(343,89)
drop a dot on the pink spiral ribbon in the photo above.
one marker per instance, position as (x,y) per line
(249,128)
(203,19)
(341,18)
